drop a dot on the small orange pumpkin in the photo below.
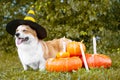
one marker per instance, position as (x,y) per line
(98,60)
(63,55)
(63,64)
(74,48)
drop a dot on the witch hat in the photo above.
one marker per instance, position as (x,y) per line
(28,20)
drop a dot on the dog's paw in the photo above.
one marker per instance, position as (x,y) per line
(23,71)
(42,68)
(25,67)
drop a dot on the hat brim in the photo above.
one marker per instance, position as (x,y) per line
(12,26)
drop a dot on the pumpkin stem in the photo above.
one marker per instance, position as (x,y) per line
(81,41)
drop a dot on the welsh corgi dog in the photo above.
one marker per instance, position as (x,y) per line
(34,52)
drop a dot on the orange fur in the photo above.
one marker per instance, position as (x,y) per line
(52,47)
(27,30)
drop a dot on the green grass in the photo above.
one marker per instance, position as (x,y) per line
(11,69)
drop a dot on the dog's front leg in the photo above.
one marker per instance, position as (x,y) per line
(42,65)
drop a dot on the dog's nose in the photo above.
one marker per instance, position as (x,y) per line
(17,34)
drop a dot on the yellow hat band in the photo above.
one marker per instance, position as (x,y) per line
(30,15)
(29,18)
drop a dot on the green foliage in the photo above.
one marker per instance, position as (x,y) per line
(81,19)
(10,10)
(74,19)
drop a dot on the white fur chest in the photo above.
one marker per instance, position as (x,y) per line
(31,55)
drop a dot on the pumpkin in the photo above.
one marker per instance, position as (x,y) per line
(63,55)
(98,60)
(74,48)
(63,64)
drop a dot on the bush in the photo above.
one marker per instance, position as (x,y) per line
(9,11)
(74,19)
(81,19)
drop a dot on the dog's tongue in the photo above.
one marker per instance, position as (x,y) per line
(19,41)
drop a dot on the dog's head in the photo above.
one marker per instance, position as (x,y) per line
(25,35)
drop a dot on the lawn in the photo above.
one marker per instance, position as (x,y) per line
(11,69)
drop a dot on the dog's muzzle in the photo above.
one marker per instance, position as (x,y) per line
(20,39)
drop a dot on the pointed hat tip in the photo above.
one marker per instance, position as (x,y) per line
(30,15)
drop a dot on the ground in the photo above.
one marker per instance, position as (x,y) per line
(11,69)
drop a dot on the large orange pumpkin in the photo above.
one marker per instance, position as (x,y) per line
(63,64)
(98,60)
(74,48)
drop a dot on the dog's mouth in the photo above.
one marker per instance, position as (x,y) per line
(21,40)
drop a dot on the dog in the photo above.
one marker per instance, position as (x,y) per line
(34,52)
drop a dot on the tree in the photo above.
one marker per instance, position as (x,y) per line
(81,19)
(10,10)
(74,19)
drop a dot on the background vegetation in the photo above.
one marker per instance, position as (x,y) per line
(74,19)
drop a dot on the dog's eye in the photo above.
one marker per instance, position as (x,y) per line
(24,30)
